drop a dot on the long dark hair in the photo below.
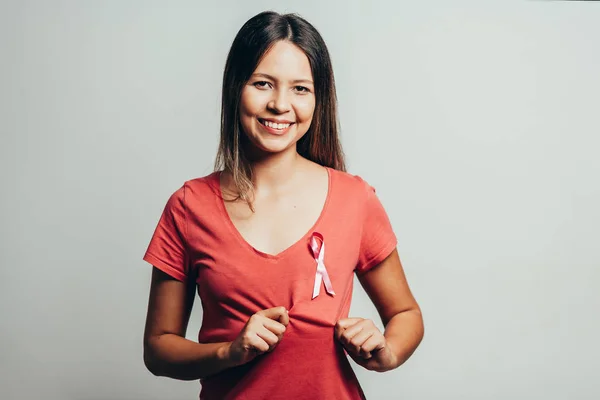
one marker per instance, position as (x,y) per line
(321,143)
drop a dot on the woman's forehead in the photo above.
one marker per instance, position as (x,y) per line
(286,62)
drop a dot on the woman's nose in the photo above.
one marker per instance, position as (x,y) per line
(280,103)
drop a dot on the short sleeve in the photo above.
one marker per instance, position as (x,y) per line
(167,248)
(378,239)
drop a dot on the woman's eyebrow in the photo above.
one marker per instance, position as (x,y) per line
(274,79)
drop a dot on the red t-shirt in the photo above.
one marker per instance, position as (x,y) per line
(196,239)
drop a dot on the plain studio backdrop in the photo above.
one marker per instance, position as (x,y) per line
(478,123)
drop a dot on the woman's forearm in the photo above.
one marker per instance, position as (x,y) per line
(176,357)
(403,333)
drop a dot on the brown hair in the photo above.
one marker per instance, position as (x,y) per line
(321,143)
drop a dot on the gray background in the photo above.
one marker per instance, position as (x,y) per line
(477,123)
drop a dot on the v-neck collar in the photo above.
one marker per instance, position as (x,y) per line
(216,181)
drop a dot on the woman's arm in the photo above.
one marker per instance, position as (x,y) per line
(387,287)
(166,350)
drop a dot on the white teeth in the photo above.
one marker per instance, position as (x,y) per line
(275,126)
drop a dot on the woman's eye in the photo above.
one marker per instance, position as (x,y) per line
(261,84)
(302,89)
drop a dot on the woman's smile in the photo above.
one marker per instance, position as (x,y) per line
(274,127)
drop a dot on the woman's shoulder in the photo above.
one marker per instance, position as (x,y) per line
(198,188)
(349,182)
(203,182)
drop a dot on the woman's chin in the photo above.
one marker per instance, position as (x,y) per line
(277,149)
(271,145)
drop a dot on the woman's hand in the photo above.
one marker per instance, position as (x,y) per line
(365,344)
(261,334)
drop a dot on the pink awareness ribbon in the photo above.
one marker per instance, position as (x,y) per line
(319,256)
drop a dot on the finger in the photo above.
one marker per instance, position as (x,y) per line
(346,340)
(268,337)
(284,319)
(274,326)
(257,344)
(343,324)
(357,342)
(353,330)
(374,344)
(277,314)
(347,322)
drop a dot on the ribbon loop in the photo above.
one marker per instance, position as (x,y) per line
(321,274)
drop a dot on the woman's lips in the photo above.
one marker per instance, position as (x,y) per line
(274,128)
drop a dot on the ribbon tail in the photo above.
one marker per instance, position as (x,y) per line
(317,287)
(328,285)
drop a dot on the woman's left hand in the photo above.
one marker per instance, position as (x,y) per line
(365,343)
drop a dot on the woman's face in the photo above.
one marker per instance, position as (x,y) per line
(278,101)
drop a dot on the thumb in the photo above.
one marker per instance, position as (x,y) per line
(279,314)
(347,323)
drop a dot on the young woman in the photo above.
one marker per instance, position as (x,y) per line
(272,239)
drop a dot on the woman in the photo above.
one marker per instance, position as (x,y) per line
(273,238)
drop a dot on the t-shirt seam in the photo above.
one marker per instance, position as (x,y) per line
(185,223)
(186,247)
(385,251)
(364,208)
(164,263)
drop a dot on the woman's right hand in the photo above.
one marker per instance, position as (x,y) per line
(261,334)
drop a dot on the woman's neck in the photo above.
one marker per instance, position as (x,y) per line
(277,171)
